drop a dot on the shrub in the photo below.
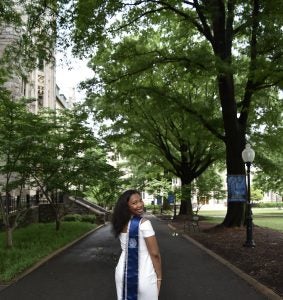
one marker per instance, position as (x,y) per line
(89,218)
(268,205)
(256,195)
(72,218)
(80,218)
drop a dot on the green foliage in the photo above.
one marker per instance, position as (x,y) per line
(149,135)
(179,79)
(66,157)
(268,175)
(16,142)
(33,33)
(256,195)
(79,218)
(159,187)
(264,217)
(106,188)
(33,243)
(209,61)
(72,218)
(268,205)
(150,207)
(89,218)
(64,152)
(53,152)
(209,185)
(16,135)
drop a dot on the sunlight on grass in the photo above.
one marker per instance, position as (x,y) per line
(264,217)
(34,242)
(272,222)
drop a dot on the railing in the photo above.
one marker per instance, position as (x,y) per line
(91,204)
(14,204)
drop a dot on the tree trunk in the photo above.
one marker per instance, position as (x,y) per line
(186,202)
(57,223)
(234,130)
(9,237)
(235,143)
(56,208)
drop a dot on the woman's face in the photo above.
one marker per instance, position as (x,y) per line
(136,205)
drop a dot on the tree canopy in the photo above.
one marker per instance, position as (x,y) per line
(234,45)
(217,64)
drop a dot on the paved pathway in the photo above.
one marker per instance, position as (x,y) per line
(85,271)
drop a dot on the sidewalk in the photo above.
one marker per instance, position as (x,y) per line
(85,271)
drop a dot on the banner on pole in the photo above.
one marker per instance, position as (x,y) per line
(171,199)
(237,189)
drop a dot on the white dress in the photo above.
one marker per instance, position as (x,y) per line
(147,286)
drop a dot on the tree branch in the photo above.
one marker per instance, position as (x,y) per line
(205,30)
(229,23)
(137,18)
(251,84)
(163,60)
(196,114)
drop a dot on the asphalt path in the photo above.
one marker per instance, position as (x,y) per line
(85,271)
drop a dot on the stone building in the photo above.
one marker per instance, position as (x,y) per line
(7,36)
(39,84)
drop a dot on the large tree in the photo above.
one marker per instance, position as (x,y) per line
(236,43)
(161,135)
(65,158)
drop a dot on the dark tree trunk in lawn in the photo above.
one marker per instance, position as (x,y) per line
(186,202)
(234,125)
(188,172)
(187,176)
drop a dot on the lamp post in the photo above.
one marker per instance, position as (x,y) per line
(248,156)
(175,209)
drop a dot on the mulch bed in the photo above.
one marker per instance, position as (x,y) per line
(264,262)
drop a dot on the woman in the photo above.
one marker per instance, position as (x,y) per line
(138,273)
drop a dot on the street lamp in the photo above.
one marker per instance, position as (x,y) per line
(248,156)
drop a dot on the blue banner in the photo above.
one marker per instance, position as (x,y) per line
(159,200)
(171,199)
(237,189)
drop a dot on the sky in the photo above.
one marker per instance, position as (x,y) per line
(69,73)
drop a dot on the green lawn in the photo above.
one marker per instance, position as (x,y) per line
(34,242)
(264,217)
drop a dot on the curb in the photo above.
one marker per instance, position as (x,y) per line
(270,294)
(48,257)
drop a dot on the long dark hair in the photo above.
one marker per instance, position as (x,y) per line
(121,214)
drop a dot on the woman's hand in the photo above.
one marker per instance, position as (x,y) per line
(158,285)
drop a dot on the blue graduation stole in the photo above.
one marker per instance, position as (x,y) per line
(131,273)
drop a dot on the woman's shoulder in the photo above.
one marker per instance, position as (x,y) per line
(145,223)
(146,228)
(144,219)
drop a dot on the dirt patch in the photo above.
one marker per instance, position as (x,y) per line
(264,262)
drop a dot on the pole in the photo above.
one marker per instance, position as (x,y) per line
(175,212)
(249,242)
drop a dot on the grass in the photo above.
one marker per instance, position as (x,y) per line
(34,242)
(264,217)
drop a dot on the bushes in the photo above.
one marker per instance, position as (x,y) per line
(80,218)
(268,204)
(89,218)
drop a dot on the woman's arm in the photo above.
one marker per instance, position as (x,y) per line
(154,253)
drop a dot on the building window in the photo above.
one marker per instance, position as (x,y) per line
(24,87)
(40,94)
(41,64)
